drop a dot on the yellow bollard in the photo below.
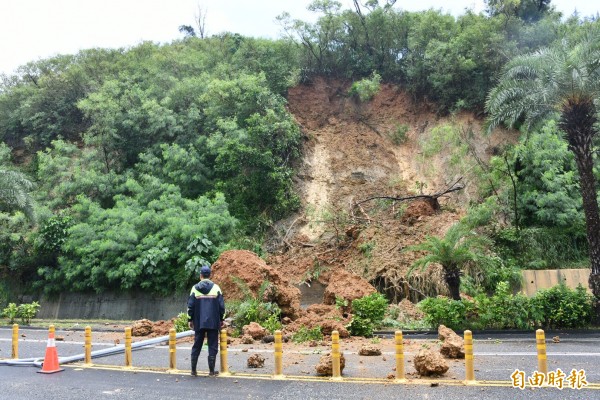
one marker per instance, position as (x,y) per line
(172,349)
(278,356)
(88,345)
(540,338)
(335,356)
(400,377)
(15,341)
(128,347)
(224,368)
(469,367)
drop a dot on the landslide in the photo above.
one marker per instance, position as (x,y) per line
(349,156)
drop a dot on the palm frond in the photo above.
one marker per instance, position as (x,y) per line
(14,193)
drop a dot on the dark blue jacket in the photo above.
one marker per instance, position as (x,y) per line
(206,307)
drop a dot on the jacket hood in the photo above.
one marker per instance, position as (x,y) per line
(204,286)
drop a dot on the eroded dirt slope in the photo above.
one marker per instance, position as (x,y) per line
(349,156)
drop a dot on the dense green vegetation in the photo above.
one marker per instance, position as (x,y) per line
(557,307)
(129,168)
(138,155)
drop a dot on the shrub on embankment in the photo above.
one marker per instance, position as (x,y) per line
(557,307)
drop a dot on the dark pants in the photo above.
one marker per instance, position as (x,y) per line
(213,342)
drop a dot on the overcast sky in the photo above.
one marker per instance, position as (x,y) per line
(35,29)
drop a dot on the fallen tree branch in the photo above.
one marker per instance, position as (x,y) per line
(452,188)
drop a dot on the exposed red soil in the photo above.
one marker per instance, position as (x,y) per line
(236,270)
(349,156)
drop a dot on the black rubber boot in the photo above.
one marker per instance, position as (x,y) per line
(211,366)
(194,364)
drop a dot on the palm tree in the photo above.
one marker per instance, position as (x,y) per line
(457,248)
(14,193)
(564,82)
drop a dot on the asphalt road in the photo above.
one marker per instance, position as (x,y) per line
(496,358)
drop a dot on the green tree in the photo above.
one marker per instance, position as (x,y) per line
(144,241)
(527,10)
(65,171)
(15,187)
(547,176)
(319,39)
(458,247)
(560,82)
(14,192)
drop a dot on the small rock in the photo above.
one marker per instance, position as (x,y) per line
(556,339)
(268,339)
(244,350)
(59,338)
(391,376)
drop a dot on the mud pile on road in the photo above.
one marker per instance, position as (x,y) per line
(145,327)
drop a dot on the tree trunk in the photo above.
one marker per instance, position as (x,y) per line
(452,277)
(580,143)
(592,223)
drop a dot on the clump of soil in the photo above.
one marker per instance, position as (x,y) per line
(325,366)
(327,317)
(453,346)
(255,361)
(369,350)
(236,270)
(145,327)
(254,330)
(347,286)
(246,339)
(416,210)
(430,362)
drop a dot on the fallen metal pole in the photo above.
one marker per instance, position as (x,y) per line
(38,361)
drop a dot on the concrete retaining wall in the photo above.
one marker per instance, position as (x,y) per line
(134,306)
(534,280)
(117,306)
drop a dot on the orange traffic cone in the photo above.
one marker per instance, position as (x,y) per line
(50,364)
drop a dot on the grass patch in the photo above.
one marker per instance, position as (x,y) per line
(95,324)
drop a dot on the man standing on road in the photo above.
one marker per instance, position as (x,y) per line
(206,312)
